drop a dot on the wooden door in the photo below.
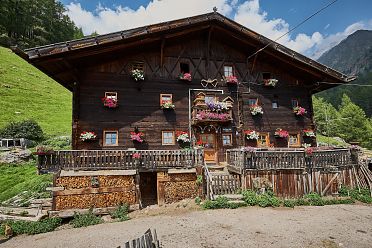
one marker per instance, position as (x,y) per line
(210,147)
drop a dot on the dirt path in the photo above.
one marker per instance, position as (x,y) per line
(328,226)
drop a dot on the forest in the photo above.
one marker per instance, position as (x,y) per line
(30,23)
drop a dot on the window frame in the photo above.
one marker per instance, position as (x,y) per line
(231,139)
(188,65)
(108,95)
(298,144)
(139,65)
(232,70)
(104,137)
(267,139)
(252,98)
(295,99)
(165,95)
(266,73)
(272,104)
(173,140)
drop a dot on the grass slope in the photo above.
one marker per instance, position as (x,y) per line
(15,179)
(27,93)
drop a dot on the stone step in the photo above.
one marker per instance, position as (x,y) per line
(233,196)
(237,201)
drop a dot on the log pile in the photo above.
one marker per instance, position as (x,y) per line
(94,191)
(180,186)
(94,200)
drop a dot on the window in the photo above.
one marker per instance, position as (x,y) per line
(227,139)
(253,101)
(294,103)
(138,66)
(210,98)
(167,138)
(275,104)
(228,71)
(294,140)
(111,95)
(184,68)
(110,138)
(266,75)
(263,140)
(165,98)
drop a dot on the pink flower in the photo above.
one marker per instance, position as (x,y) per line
(136,155)
(231,79)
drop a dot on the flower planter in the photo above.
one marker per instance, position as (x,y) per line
(231,80)
(137,137)
(256,110)
(109,102)
(270,82)
(299,111)
(88,136)
(185,77)
(138,75)
(167,106)
(280,133)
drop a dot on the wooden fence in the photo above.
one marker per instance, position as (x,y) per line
(225,184)
(287,159)
(119,159)
(148,240)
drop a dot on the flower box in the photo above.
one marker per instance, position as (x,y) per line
(309,133)
(88,136)
(137,137)
(299,111)
(138,75)
(167,105)
(256,109)
(280,133)
(251,135)
(204,115)
(217,106)
(43,150)
(185,77)
(182,137)
(270,82)
(109,102)
(231,80)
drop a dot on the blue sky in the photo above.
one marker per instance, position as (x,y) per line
(271,18)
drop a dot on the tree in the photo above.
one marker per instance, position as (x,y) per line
(325,117)
(353,124)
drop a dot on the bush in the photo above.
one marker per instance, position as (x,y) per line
(314,199)
(268,200)
(289,203)
(197,200)
(362,195)
(87,219)
(121,213)
(29,227)
(58,143)
(28,129)
(250,197)
(221,202)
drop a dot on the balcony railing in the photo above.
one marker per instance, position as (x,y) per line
(119,160)
(288,159)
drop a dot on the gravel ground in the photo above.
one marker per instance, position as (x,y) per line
(328,226)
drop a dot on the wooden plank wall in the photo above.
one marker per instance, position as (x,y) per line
(139,101)
(296,183)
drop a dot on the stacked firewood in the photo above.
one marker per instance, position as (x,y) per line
(180,186)
(74,182)
(94,200)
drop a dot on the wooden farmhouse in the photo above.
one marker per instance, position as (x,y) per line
(156,106)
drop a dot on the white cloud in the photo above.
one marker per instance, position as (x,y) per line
(105,20)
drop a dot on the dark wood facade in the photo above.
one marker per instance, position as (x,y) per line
(206,44)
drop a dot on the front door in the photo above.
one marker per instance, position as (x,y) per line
(210,147)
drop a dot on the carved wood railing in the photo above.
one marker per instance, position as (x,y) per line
(119,159)
(288,159)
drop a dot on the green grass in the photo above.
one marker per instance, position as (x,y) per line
(15,179)
(27,93)
(330,140)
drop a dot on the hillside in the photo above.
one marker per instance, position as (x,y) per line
(27,93)
(352,56)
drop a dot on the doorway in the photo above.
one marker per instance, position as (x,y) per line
(210,147)
(148,188)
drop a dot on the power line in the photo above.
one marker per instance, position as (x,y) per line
(308,18)
(361,85)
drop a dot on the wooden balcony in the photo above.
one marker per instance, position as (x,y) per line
(119,160)
(288,159)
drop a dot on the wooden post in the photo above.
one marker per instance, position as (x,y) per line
(138,190)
